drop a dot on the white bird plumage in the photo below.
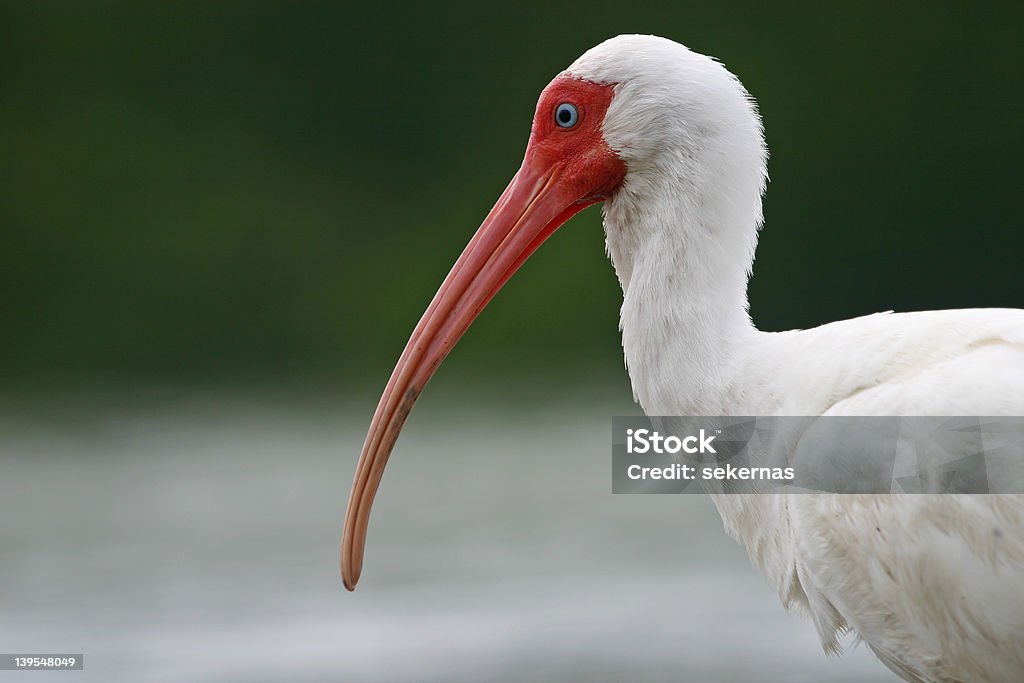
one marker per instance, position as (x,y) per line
(673,144)
(933,584)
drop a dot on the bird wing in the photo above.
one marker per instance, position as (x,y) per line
(934,584)
(956,362)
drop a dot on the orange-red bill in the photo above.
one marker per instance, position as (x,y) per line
(545,193)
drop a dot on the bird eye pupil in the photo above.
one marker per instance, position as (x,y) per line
(564,116)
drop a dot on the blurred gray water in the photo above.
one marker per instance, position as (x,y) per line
(197,539)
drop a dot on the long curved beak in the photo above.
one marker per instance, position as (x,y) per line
(533,206)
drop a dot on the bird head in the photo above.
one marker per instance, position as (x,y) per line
(628,115)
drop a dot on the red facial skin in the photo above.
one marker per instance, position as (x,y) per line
(591,169)
(564,171)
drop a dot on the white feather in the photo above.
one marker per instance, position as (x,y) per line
(933,584)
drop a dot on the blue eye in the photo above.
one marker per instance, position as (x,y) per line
(566,115)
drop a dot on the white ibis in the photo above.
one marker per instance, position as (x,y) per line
(672,144)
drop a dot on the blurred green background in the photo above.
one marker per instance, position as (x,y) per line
(252,192)
(219,222)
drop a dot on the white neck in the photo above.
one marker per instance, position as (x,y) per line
(683,249)
(681,233)
(684,309)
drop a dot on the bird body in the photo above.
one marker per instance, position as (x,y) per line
(933,584)
(673,145)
